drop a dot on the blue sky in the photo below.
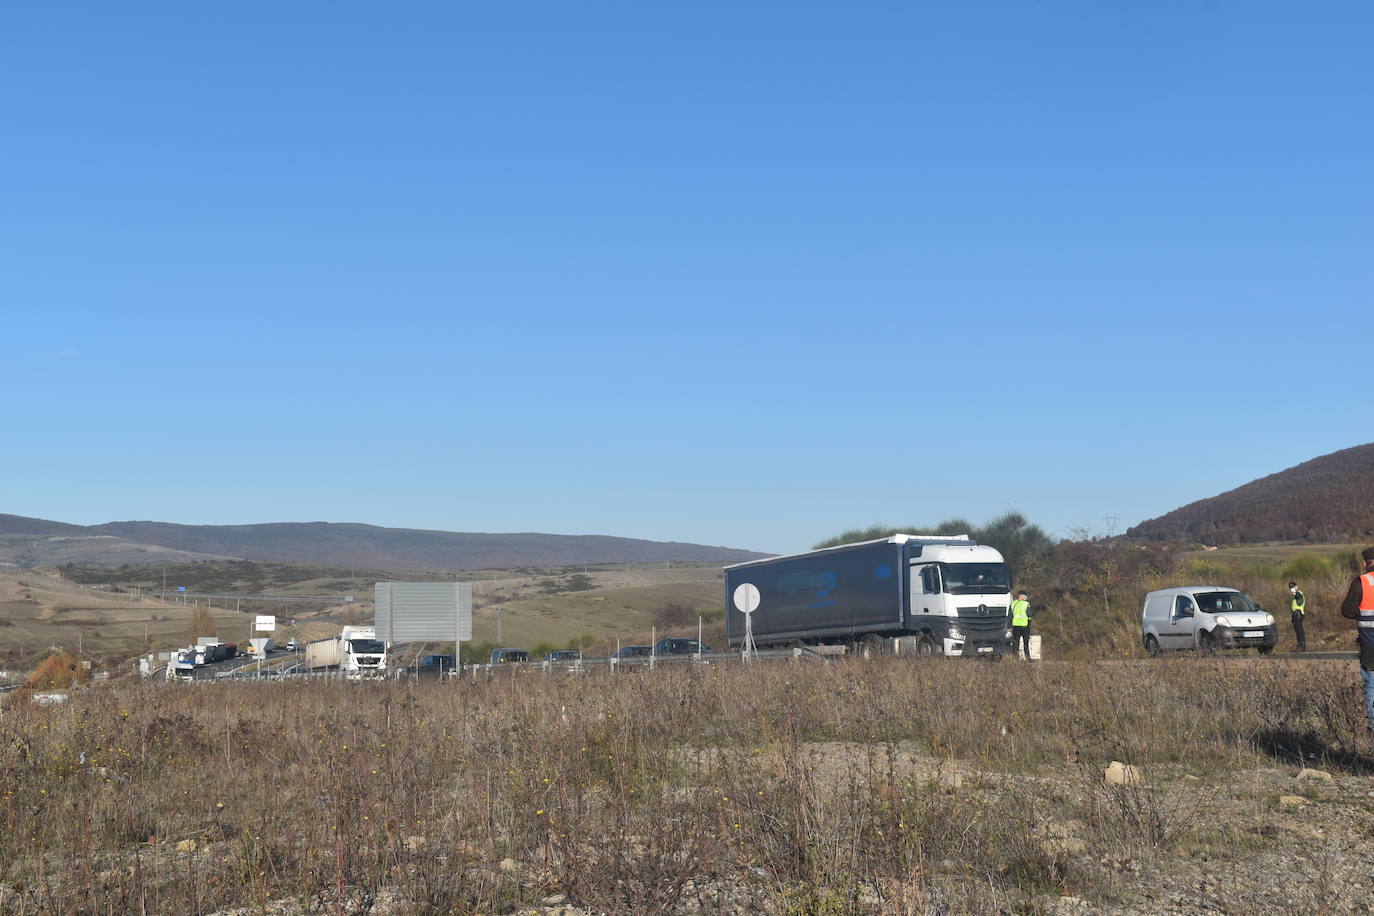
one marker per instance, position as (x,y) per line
(741,274)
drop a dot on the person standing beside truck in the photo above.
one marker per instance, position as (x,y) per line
(1020,624)
(1298,605)
(1359,607)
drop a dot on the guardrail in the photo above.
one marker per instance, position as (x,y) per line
(474,672)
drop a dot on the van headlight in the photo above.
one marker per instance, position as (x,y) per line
(1269,620)
(1223,621)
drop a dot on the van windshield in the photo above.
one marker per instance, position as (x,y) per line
(975,578)
(1224,603)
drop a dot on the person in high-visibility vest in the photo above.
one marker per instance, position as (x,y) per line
(1020,624)
(1297,603)
(1359,607)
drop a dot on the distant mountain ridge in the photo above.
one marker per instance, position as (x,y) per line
(365,546)
(1326,499)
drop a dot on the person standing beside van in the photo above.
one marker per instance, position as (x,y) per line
(1298,605)
(1359,607)
(1020,624)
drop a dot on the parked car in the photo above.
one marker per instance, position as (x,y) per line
(564,655)
(1205,617)
(293,646)
(680,645)
(509,656)
(634,652)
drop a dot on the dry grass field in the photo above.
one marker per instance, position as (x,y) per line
(845,788)
(38,611)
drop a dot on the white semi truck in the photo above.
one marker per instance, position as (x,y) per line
(356,651)
(182,666)
(929,595)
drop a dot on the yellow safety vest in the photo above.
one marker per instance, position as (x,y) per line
(1020,613)
(1299,604)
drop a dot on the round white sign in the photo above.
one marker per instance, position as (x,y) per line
(747,598)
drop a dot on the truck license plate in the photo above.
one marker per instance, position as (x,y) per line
(986,648)
(1249,633)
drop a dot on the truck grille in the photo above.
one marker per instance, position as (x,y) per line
(988,619)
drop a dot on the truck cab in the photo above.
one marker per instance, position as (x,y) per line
(958,595)
(182,665)
(363,653)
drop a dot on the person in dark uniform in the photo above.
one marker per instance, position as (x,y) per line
(1359,607)
(1297,603)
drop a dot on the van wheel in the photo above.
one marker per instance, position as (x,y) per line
(1152,646)
(1206,643)
(925,646)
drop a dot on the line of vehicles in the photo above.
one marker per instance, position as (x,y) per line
(355,652)
(209,650)
(903,594)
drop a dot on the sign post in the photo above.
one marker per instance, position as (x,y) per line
(259,644)
(746,600)
(425,612)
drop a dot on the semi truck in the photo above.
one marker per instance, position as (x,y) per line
(356,652)
(207,653)
(182,666)
(905,593)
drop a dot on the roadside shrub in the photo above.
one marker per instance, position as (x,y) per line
(1307,567)
(57,671)
(1203,571)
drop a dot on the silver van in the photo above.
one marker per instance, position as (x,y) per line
(1205,617)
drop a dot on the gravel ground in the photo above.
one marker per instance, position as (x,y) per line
(1271,840)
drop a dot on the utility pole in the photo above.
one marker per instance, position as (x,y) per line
(499,642)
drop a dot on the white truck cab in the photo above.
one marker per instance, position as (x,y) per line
(1205,617)
(363,653)
(959,598)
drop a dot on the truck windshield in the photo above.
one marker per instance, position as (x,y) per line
(975,578)
(1224,603)
(367,646)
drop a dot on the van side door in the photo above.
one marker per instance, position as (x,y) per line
(1182,624)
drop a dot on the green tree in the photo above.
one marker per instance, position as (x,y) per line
(1025,546)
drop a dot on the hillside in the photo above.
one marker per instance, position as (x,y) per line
(1327,499)
(29,542)
(26,551)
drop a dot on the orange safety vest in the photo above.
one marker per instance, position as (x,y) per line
(1365,621)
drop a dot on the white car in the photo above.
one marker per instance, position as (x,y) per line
(1205,617)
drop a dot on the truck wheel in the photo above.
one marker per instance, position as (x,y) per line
(871,646)
(925,646)
(1152,646)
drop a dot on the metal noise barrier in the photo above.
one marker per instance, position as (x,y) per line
(424,611)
